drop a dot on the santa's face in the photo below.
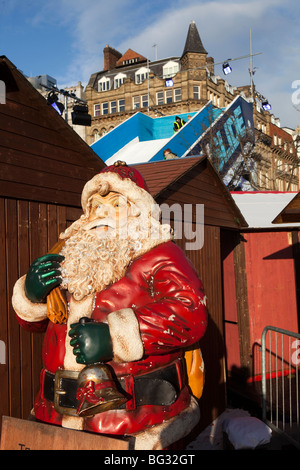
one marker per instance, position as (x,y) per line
(101,244)
(98,252)
(108,213)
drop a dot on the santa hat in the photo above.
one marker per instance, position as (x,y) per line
(124,180)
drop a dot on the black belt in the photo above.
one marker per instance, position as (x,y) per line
(160,387)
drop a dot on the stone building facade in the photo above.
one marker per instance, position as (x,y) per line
(129,83)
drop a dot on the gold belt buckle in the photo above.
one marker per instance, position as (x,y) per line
(59,391)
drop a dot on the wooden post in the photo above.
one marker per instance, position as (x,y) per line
(242,304)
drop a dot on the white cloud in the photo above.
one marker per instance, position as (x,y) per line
(224,27)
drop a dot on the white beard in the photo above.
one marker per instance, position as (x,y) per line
(91,263)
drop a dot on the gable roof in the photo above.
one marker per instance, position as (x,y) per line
(290,213)
(129,55)
(161,174)
(165,177)
(42,157)
(193,41)
(260,207)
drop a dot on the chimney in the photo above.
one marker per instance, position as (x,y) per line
(111,57)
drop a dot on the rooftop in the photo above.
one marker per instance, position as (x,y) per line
(159,175)
(260,208)
(193,41)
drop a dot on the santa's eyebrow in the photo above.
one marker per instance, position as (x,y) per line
(96,201)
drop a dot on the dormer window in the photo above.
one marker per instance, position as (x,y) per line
(141,75)
(130,61)
(104,84)
(119,80)
(170,69)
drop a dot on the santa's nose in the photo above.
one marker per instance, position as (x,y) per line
(105,211)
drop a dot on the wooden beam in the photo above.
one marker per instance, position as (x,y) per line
(18,434)
(242,304)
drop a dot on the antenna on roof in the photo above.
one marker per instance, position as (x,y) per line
(155,46)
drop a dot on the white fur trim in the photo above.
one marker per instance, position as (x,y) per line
(24,308)
(77,309)
(125,335)
(73,422)
(162,435)
(105,182)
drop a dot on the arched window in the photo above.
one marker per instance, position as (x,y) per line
(104,84)
(119,80)
(96,135)
(141,75)
(170,69)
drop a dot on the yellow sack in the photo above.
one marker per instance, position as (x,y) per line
(195,371)
(56,302)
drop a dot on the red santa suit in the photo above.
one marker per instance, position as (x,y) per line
(155,312)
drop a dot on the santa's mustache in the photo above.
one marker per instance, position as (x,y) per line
(97,223)
(92,263)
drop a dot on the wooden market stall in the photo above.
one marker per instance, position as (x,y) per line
(44,165)
(290,213)
(261,280)
(194,181)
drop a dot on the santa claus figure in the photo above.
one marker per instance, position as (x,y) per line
(122,308)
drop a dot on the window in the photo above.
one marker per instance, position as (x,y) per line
(141,75)
(177,94)
(104,84)
(144,101)
(170,69)
(104,108)
(169,96)
(113,106)
(136,102)
(160,97)
(96,109)
(96,135)
(196,92)
(121,104)
(130,61)
(119,80)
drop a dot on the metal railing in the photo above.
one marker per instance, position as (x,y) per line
(280,382)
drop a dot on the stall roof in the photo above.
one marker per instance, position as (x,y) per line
(160,175)
(290,213)
(193,179)
(261,208)
(41,157)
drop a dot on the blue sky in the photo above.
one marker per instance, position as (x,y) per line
(65,39)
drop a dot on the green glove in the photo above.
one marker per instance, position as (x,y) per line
(43,275)
(91,342)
